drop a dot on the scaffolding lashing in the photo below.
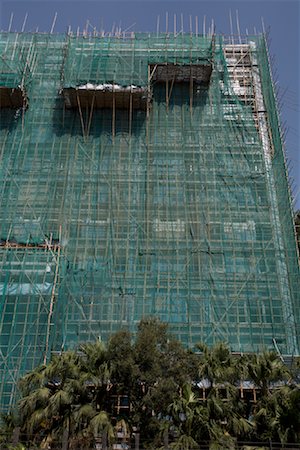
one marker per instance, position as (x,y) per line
(154,165)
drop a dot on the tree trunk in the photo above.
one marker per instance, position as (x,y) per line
(166,440)
(15,436)
(104,440)
(137,441)
(65,438)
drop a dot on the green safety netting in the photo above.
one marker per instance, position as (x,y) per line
(169,212)
(14,61)
(126,61)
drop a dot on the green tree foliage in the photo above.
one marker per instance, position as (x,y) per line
(178,398)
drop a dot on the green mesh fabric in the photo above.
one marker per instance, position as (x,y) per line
(166,212)
(125,62)
(13,63)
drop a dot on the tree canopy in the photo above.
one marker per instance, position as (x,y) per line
(148,387)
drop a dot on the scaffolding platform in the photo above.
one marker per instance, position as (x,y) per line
(12,97)
(197,73)
(106,96)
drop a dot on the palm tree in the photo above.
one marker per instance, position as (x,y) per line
(223,373)
(289,419)
(8,423)
(269,375)
(67,394)
(45,408)
(217,364)
(189,419)
(265,369)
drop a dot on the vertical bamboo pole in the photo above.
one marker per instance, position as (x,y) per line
(114,115)
(52,300)
(130,113)
(167,91)
(91,113)
(191,92)
(80,114)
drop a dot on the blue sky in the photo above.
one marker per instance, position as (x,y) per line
(281,17)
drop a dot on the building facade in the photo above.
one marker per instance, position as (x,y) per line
(141,175)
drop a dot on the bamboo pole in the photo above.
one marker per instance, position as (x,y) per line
(52,301)
(91,114)
(114,114)
(191,92)
(130,112)
(81,116)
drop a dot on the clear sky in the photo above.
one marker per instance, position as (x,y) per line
(281,17)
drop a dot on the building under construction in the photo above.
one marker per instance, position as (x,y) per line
(141,174)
